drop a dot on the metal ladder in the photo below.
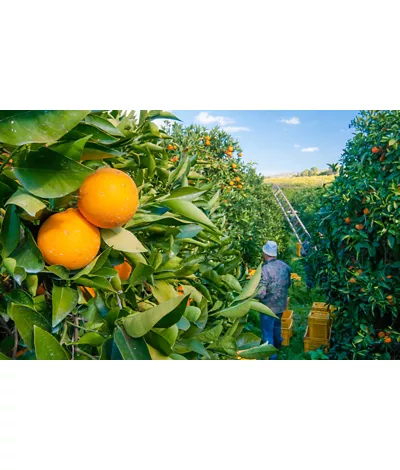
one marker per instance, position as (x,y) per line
(290,214)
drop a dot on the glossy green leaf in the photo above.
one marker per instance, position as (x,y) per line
(183,324)
(261,308)
(130,348)
(96,282)
(49,174)
(248,340)
(59,271)
(236,311)
(47,347)
(226,344)
(19,297)
(188,193)
(161,316)
(32,282)
(192,313)
(18,273)
(28,255)
(122,240)
(163,291)
(98,135)
(161,115)
(189,210)
(94,265)
(93,151)
(142,272)
(73,149)
(232,282)
(191,344)
(10,231)
(258,352)
(211,334)
(26,201)
(103,124)
(25,127)
(25,319)
(158,342)
(64,300)
(252,285)
(93,339)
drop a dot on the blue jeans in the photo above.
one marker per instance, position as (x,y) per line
(271,330)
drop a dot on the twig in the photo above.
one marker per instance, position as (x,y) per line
(7,160)
(14,355)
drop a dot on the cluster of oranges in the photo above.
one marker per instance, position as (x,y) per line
(229,151)
(108,198)
(171,147)
(207,141)
(385,335)
(239,185)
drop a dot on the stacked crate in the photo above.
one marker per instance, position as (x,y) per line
(287,325)
(319,327)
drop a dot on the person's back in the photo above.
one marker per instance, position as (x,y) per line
(275,283)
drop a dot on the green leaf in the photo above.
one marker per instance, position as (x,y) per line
(248,340)
(95,281)
(28,255)
(32,282)
(73,149)
(252,285)
(188,193)
(103,124)
(25,319)
(142,272)
(163,291)
(191,344)
(20,297)
(93,151)
(261,308)
(237,311)
(122,240)
(192,313)
(258,352)
(162,316)
(26,201)
(16,272)
(64,300)
(158,342)
(161,115)
(232,282)
(190,211)
(226,344)
(59,271)
(47,347)
(211,334)
(94,265)
(3,357)
(10,231)
(26,127)
(130,348)
(183,324)
(93,339)
(49,174)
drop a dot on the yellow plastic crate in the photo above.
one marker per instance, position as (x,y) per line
(286,333)
(322,307)
(319,324)
(311,343)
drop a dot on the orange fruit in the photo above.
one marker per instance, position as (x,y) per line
(108,198)
(175,147)
(231,183)
(237,178)
(240,154)
(388,277)
(381,334)
(87,292)
(359,226)
(124,270)
(360,271)
(347,220)
(240,186)
(353,280)
(69,240)
(170,147)
(366,211)
(387,339)
(234,165)
(230,148)
(376,149)
(384,168)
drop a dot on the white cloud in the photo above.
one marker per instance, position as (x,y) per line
(310,149)
(206,119)
(296,146)
(293,120)
(233,129)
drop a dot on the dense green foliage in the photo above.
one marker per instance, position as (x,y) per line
(251,212)
(358,257)
(188,295)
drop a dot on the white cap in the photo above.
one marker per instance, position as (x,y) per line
(270,248)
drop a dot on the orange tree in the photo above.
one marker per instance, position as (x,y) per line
(249,208)
(111,249)
(358,255)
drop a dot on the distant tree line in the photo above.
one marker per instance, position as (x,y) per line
(314,171)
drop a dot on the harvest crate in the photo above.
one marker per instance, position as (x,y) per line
(319,324)
(322,307)
(286,333)
(287,319)
(311,343)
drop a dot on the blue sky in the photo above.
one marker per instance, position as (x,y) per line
(282,141)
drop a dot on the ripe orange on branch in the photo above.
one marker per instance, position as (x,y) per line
(376,149)
(124,270)
(69,240)
(108,198)
(347,220)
